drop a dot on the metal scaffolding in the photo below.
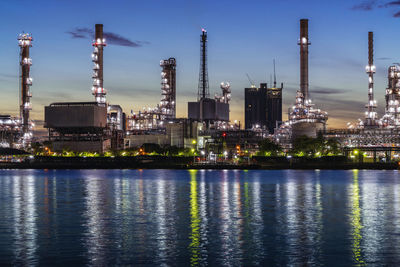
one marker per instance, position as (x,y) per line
(168,89)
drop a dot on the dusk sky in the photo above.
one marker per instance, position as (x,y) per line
(244,37)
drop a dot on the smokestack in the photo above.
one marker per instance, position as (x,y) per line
(304,43)
(99,42)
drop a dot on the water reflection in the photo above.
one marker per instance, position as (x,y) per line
(194,220)
(356,224)
(24,219)
(96,236)
(166,217)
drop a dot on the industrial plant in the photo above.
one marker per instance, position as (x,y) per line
(100,126)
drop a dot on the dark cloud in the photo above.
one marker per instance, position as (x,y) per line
(383,58)
(6,75)
(326,91)
(390,4)
(369,5)
(365,5)
(112,38)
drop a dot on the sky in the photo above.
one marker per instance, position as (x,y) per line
(243,37)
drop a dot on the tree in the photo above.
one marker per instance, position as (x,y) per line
(152,148)
(268,147)
(319,146)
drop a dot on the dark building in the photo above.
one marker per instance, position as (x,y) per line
(77,126)
(263,107)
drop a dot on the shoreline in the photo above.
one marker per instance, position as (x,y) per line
(185,163)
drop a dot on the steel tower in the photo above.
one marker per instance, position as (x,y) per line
(370,114)
(203,90)
(25,42)
(97,57)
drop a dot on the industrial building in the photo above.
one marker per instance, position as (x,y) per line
(263,107)
(77,126)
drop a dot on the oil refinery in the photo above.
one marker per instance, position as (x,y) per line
(101,126)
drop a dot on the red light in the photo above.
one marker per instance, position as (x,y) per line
(224,134)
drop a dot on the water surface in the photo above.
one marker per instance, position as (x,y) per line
(203,217)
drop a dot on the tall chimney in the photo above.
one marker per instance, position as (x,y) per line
(99,42)
(25,42)
(304,43)
(371,114)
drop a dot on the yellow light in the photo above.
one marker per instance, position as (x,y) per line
(194,142)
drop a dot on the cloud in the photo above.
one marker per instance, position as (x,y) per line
(111,38)
(365,6)
(369,5)
(327,91)
(6,75)
(384,58)
(390,4)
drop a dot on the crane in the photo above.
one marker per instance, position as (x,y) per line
(250,80)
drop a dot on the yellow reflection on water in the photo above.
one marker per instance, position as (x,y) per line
(194,220)
(356,221)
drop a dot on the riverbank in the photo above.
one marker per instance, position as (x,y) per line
(164,162)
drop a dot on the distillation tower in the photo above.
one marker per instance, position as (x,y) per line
(370,114)
(168,89)
(97,57)
(25,43)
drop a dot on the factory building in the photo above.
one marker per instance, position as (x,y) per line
(77,126)
(179,133)
(263,107)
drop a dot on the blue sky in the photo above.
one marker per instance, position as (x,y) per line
(244,37)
